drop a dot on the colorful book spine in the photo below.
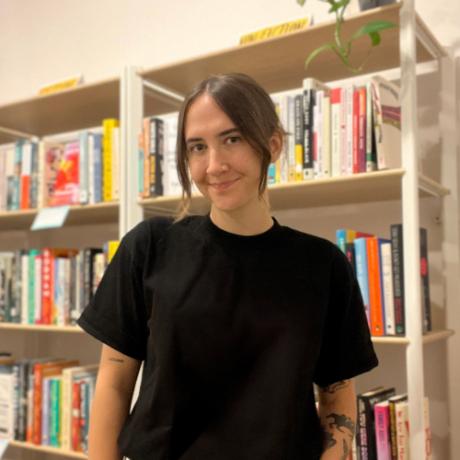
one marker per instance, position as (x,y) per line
(362,129)
(386,282)
(375,298)
(97,159)
(397,259)
(26,172)
(108,126)
(424,273)
(382,430)
(299,135)
(83,167)
(336,127)
(362,272)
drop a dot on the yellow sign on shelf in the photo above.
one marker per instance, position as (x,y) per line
(276,31)
(62,85)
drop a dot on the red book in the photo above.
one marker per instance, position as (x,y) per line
(375,290)
(26,167)
(362,96)
(355,131)
(76,422)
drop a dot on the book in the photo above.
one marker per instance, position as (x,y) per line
(299,134)
(375,289)
(366,440)
(425,280)
(392,410)
(387,122)
(386,283)
(336,128)
(7,392)
(108,125)
(402,429)
(382,430)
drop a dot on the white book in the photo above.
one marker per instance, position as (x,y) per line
(318,134)
(66,293)
(41,175)
(171,185)
(6,402)
(387,277)
(387,122)
(402,429)
(349,89)
(326,136)
(10,156)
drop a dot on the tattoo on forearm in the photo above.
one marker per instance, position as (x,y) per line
(329,440)
(117,360)
(346,450)
(343,424)
(331,389)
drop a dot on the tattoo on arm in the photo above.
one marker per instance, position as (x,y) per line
(346,450)
(341,421)
(331,389)
(329,440)
(117,360)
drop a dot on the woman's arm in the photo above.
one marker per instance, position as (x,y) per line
(337,411)
(114,388)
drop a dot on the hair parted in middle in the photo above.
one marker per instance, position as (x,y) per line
(248,105)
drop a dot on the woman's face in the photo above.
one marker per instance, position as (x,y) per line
(224,167)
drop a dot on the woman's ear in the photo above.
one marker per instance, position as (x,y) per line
(276,145)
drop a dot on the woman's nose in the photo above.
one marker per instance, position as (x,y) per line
(216,161)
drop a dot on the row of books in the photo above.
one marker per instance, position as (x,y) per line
(331,132)
(382,428)
(73,168)
(379,267)
(50,286)
(46,401)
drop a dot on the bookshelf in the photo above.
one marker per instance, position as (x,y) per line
(126,99)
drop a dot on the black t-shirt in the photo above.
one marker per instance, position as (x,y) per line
(233,330)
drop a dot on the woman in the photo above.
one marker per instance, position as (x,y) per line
(234,315)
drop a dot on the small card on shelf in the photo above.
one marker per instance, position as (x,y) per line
(50,218)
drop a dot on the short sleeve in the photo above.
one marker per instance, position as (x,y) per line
(346,346)
(117,314)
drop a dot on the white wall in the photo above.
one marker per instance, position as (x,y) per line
(43,41)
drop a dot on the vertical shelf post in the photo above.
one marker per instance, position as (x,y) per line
(131,112)
(411,232)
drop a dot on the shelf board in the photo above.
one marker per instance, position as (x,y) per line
(429,337)
(78,108)
(78,215)
(41,328)
(278,63)
(47,449)
(357,188)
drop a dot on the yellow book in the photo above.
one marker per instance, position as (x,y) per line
(108,125)
(112,247)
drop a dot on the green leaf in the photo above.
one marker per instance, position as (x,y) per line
(314,53)
(372,29)
(301,2)
(337,5)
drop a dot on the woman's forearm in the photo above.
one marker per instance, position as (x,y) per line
(108,413)
(337,411)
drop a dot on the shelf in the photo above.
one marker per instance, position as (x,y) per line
(47,449)
(78,108)
(278,63)
(78,215)
(40,328)
(429,337)
(358,188)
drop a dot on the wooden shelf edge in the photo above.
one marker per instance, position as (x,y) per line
(41,328)
(47,449)
(429,337)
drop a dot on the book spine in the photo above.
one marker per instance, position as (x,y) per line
(291,140)
(397,261)
(349,91)
(47,286)
(336,154)
(41,192)
(146,150)
(37,404)
(34,177)
(159,156)
(393,436)
(22,410)
(387,286)
(299,136)
(83,167)
(45,412)
(424,273)
(318,133)
(382,431)
(55,395)
(66,403)
(76,416)
(116,163)
(362,129)
(107,125)
(16,189)
(326,135)
(35,314)
(371,161)
(361,434)
(402,431)
(26,168)
(91,172)
(308,137)
(428,435)
(97,145)
(355,131)
(362,272)
(375,304)
(152,160)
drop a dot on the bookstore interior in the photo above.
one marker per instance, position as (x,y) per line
(367,100)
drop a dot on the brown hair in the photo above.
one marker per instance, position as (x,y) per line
(248,105)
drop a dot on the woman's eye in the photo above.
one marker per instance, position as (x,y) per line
(233,139)
(196,148)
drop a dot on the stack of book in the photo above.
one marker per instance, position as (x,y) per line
(50,286)
(75,168)
(46,401)
(379,267)
(383,426)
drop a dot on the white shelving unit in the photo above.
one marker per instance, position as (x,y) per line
(140,92)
